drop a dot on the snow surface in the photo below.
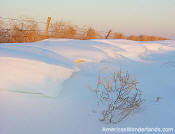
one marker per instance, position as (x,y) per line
(48,68)
(23,75)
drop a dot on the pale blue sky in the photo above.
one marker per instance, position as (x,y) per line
(127,16)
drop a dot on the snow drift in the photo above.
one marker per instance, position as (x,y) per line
(23,75)
(42,67)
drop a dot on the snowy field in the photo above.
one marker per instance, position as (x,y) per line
(44,85)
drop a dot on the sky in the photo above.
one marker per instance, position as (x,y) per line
(152,17)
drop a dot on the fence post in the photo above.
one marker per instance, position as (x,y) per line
(108,34)
(47,27)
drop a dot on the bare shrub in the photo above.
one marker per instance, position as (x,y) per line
(156,38)
(57,29)
(118,36)
(90,33)
(162,38)
(61,29)
(117,92)
(4,33)
(1,23)
(25,31)
(145,38)
(1,31)
(153,38)
(70,32)
(132,37)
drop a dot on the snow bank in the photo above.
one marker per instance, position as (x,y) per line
(23,75)
(41,67)
(131,49)
(99,49)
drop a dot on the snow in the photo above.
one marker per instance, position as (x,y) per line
(23,75)
(44,90)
